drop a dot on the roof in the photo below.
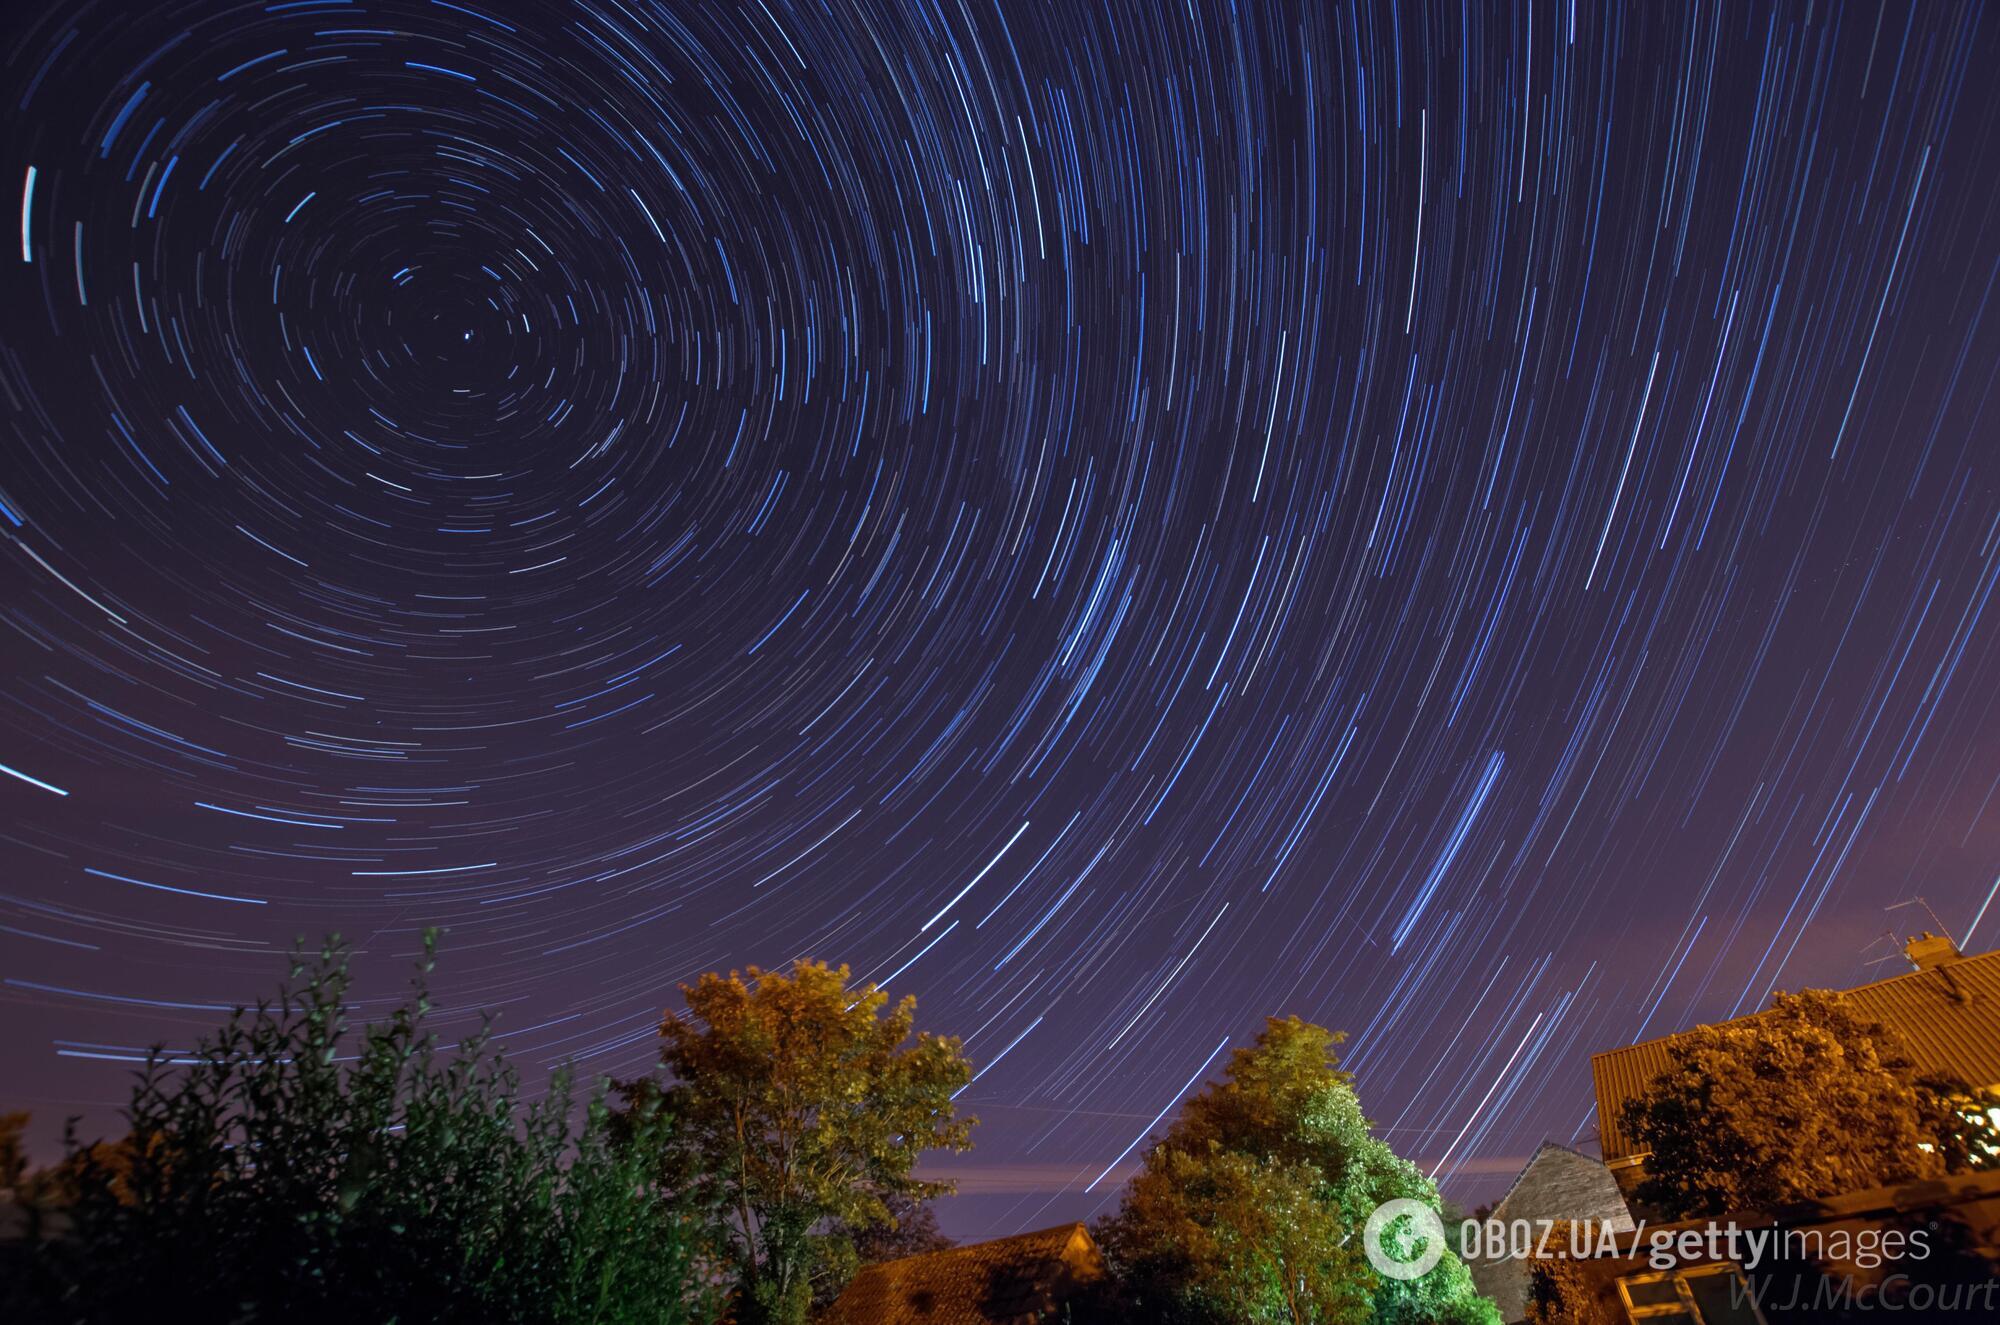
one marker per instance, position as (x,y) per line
(1948,1018)
(1007,1280)
(1560,1183)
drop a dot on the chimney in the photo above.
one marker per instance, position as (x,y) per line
(1929,951)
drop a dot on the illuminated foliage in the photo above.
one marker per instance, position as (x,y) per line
(1559,1292)
(1250,1209)
(800,1107)
(1806,1101)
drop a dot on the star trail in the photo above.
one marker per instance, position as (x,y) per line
(1474,526)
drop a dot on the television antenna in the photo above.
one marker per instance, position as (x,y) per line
(1895,941)
(1918,900)
(1887,936)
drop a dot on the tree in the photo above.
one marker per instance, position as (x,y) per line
(1559,1290)
(800,1105)
(911,1230)
(13,1159)
(1251,1207)
(289,1168)
(1215,1234)
(1808,1100)
(1961,1121)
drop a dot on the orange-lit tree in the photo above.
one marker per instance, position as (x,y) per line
(1809,1100)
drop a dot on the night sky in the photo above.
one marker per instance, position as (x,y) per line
(1475,527)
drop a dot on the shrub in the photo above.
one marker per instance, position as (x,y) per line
(294,1168)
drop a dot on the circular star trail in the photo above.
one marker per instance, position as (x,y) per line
(1477,527)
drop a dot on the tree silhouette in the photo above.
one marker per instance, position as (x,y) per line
(292,1168)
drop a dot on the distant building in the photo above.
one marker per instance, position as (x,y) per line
(1946,1012)
(1557,1183)
(1023,1280)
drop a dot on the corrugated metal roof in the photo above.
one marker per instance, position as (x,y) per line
(1948,1017)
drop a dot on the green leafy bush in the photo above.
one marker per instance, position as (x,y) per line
(294,1168)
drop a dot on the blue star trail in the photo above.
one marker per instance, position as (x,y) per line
(1474,525)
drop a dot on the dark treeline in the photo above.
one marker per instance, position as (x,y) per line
(297,1167)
